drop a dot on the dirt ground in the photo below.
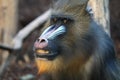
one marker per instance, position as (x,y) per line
(17,71)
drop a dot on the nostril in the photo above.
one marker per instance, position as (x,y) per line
(42,40)
(41,43)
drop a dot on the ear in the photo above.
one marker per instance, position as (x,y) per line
(89,9)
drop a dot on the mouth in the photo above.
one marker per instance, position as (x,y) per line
(45,54)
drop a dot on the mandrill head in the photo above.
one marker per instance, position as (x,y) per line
(60,44)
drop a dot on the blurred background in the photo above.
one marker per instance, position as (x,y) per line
(23,66)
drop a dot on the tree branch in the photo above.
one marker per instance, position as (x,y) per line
(100,10)
(23,33)
(6,47)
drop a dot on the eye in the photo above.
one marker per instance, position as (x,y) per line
(54,19)
(65,21)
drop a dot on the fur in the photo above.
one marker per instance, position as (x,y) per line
(87,52)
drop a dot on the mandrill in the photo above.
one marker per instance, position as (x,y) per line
(73,47)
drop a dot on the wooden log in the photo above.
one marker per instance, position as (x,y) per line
(8,25)
(101,13)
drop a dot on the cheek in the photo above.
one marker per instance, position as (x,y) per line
(67,49)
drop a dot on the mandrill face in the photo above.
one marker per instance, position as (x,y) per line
(47,44)
(51,42)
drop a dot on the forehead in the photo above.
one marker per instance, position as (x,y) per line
(61,16)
